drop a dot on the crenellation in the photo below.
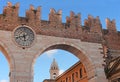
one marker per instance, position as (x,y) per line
(10,11)
(9,18)
(91,31)
(55,18)
(9,4)
(33,15)
(93,25)
(97,26)
(32,7)
(89,22)
(85,42)
(72,14)
(74,21)
(17,5)
(111,25)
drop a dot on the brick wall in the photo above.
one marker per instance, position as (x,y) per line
(91,31)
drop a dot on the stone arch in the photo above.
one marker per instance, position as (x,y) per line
(6,53)
(74,49)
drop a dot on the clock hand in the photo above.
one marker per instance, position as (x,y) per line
(18,37)
(25,36)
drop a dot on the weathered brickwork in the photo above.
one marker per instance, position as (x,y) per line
(89,42)
(91,31)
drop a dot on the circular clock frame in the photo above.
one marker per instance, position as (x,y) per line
(24,36)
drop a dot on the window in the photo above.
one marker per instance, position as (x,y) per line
(80,72)
(69,79)
(66,79)
(77,74)
(54,75)
(73,77)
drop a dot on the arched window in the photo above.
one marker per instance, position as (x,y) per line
(73,77)
(77,74)
(69,79)
(80,72)
(66,79)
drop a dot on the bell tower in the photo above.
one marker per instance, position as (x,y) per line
(54,70)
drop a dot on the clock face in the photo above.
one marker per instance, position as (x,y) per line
(24,36)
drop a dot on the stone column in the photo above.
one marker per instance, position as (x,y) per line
(22,71)
(94,52)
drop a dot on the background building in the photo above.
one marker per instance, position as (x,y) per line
(76,73)
(54,70)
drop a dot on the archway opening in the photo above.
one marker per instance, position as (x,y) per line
(43,63)
(75,52)
(4,68)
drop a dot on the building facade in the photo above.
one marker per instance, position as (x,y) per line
(75,73)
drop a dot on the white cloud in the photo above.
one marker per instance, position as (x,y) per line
(61,71)
(50,53)
(3,81)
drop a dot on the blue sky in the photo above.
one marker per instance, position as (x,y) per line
(102,8)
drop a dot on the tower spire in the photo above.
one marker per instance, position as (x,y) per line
(54,69)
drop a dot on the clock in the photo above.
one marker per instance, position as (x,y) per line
(24,36)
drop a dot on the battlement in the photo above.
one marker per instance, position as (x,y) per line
(91,31)
(73,20)
(10,12)
(33,16)
(111,25)
(55,18)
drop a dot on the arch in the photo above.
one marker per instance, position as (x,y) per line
(6,53)
(74,49)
